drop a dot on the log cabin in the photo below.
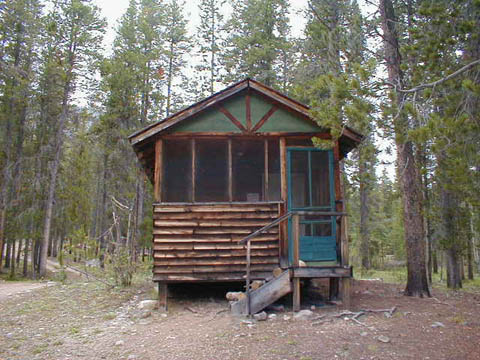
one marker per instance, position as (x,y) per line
(240,190)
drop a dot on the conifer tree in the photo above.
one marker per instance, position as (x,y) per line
(76,31)
(257,35)
(210,34)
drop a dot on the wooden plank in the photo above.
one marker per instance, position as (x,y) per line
(215,216)
(211,223)
(229,238)
(213,208)
(264,295)
(211,269)
(232,118)
(248,111)
(226,253)
(245,231)
(172,231)
(165,247)
(157,186)
(265,117)
(318,272)
(213,262)
(230,171)
(210,277)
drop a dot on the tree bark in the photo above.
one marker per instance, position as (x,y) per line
(364,214)
(417,281)
(25,258)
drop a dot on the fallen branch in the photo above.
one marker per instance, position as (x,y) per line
(191,310)
(87,275)
(352,316)
(439,302)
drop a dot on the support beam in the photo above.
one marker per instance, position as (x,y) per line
(284,198)
(296,261)
(162,296)
(158,173)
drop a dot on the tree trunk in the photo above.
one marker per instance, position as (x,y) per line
(417,281)
(452,253)
(19,251)
(12,261)
(103,210)
(364,233)
(8,255)
(54,173)
(25,258)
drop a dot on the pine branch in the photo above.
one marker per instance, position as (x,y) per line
(318,16)
(438,82)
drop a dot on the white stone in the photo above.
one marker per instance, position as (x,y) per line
(119,343)
(148,304)
(303,315)
(384,339)
(261,316)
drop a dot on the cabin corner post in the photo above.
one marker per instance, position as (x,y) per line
(284,197)
(344,287)
(296,261)
(158,174)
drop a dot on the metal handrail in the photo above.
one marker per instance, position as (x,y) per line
(269,226)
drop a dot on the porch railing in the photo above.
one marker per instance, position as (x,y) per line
(295,215)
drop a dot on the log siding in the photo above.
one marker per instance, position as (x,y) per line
(199,242)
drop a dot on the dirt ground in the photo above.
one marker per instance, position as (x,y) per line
(87,320)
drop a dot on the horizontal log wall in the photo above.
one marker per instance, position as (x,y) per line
(199,242)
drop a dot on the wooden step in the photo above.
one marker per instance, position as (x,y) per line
(264,295)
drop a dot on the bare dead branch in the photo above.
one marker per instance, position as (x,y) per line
(440,81)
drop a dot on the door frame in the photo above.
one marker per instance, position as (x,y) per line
(330,207)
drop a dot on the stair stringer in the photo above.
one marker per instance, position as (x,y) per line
(265,295)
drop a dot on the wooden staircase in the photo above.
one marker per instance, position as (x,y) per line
(265,295)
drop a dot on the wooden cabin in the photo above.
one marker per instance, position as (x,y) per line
(232,164)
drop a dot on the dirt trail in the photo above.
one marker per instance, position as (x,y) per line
(9,288)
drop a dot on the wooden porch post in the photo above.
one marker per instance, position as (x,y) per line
(157,186)
(296,261)
(345,283)
(284,198)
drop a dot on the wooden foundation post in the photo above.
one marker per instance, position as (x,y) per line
(162,296)
(296,261)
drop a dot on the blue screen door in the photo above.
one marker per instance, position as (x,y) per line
(311,188)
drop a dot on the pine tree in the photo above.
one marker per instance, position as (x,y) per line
(210,34)
(176,45)
(76,30)
(258,35)
(19,29)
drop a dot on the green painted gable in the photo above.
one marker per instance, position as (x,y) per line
(208,121)
(213,120)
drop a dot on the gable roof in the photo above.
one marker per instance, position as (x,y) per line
(350,137)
